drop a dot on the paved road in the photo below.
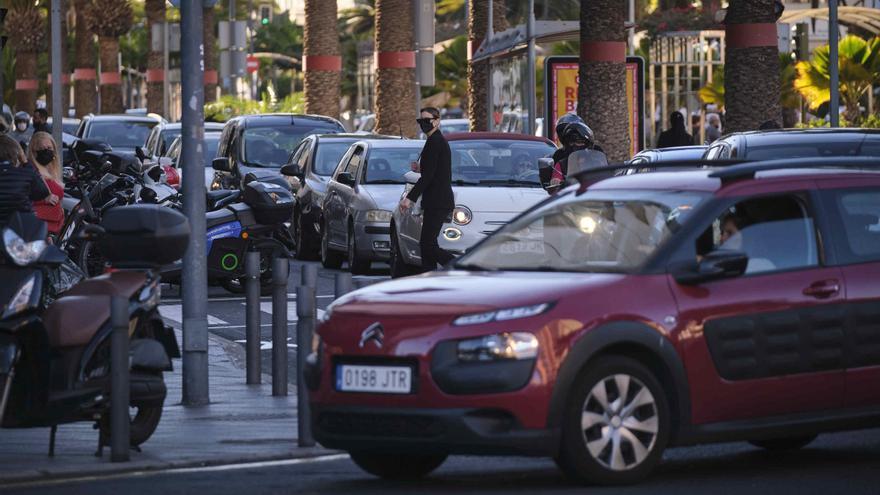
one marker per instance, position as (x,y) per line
(226,312)
(837,464)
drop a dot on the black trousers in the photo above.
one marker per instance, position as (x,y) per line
(432,253)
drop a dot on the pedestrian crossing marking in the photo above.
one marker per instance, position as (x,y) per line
(174,312)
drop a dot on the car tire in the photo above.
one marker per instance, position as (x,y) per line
(329,258)
(784,444)
(399,268)
(626,432)
(397,466)
(305,243)
(356,265)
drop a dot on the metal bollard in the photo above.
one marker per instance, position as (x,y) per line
(306,310)
(343,284)
(252,317)
(120,422)
(309,275)
(280,272)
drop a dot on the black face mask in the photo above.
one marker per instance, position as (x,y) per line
(425,125)
(45,157)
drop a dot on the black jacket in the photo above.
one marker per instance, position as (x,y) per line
(560,156)
(671,138)
(435,184)
(19,188)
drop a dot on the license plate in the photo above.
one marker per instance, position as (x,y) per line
(374,379)
(517,247)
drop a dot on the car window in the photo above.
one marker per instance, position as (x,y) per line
(224,140)
(388,165)
(354,162)
(271,146)
(166,138)
(121,134)
(855,145)
(296,156)
(502,162)
(858,223)
(328,155)
(151,141)
(776,233)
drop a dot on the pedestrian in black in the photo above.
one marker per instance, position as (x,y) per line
(41,121)
(20,183)
(435,189)
(676,135)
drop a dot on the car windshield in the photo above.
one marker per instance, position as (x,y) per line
(120,133)
(271,146)
(454,126)
(329,155)
(168,136)
(388,165)
(497,162)
(817,146)
(601,231)
(212,141)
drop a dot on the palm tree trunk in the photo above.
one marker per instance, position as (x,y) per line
(395,69)
(155,13)
(751,71)
(210,55)
(111,89)
(322,62)
(602,86)
(84,92)
(478,72)
(26,83)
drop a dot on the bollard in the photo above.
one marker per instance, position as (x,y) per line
(309,275)
(252,317)
(306,309)
(343,284)
(280,271)
(120,422)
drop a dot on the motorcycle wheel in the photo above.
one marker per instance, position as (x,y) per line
(89,259)
(236,285)
(144,420)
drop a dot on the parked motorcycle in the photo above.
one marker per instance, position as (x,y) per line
(55,358)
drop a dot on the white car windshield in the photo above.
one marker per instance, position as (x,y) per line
(388,165)
(497,162)
(602,231)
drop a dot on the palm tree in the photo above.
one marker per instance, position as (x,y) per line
(478,72)
(395,75)
(23,24)
(85,92)
(210,40)
(359,20)
(321,58)
(155,13)
(859,68)
(110,19)
(751,73)
(602,84)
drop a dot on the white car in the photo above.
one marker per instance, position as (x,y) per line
(494,178)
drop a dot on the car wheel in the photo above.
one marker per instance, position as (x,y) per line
(329,258)
(615,425)
(397,466)
(399,268)
(357,265)
(783,444)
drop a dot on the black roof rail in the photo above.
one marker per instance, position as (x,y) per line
(652,167)
(749,169)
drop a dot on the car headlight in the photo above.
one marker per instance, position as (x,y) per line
(502,346)
(378,216)
(462,215)
(502,315)
(20,252)
(22,299)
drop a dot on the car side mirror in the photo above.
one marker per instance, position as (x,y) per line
(412,177)
(221,164)
(715,265)
(291,170)
(345,178)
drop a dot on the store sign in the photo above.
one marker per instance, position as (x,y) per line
(561,87)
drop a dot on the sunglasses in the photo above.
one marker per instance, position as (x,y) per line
(425,120)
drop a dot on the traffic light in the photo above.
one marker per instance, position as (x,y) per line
(265,15)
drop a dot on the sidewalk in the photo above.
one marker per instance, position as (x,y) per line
(243,423)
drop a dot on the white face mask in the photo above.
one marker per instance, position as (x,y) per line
(21,126)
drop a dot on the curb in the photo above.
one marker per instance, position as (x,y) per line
(148,468)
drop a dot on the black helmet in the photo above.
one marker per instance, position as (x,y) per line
(577,131)
(562,123)
(22,117)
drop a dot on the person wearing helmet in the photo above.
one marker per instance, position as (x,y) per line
(574,135)
(21,128)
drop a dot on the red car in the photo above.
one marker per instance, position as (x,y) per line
(610,322)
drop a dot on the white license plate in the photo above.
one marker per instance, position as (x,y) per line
(375,379)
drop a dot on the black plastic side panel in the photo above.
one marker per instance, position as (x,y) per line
(457,378)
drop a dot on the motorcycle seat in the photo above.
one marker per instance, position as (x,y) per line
(219,217)
(72,321)
(221,197)
(123,283)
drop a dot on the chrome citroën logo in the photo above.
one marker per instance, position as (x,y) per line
(373,333)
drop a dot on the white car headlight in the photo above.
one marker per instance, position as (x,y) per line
(378,216)
(462,215)
(502,346)
(22,298)
(22,253)
(502,315)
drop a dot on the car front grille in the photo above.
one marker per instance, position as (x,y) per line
(380,425)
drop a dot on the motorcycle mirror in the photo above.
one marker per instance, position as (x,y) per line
(544,163)
(148,195)
(139,152)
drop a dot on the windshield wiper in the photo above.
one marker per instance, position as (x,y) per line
(384,181)
(474,268)
(509,182)
(460,182)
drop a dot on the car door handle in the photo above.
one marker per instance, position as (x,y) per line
(823,289)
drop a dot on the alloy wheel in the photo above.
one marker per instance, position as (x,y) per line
(620,422)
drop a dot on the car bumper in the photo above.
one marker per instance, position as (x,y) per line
(373,240)
(447,431)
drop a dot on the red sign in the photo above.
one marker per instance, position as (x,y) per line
(253,64)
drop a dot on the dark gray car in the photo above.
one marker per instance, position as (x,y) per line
(361,197)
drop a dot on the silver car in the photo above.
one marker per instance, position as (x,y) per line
(494,178)
(361,196)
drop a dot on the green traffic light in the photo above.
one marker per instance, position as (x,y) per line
(265,21)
